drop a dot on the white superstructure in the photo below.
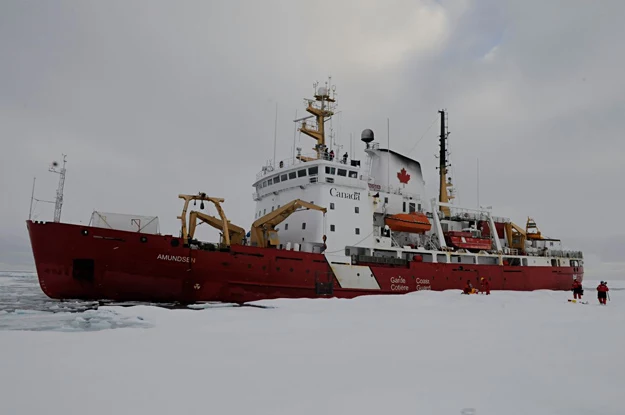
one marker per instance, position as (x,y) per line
(361,194)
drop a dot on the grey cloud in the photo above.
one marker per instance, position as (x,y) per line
(150,100)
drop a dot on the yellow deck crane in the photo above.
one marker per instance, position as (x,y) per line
(231,233)
(517,236)
(263,232)
(237,233)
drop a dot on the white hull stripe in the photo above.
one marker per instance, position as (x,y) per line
(355,276)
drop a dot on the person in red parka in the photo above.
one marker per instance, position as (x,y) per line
(577,289)
(485,285)
(468,289)
(602,292)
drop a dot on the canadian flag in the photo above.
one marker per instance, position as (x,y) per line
(403,176)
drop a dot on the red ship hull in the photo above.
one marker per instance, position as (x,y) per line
(78,262)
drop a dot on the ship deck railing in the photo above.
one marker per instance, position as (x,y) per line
(398,251)
(563,253)
(461,214)
(291,161)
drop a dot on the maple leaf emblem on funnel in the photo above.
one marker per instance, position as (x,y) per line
(403,176)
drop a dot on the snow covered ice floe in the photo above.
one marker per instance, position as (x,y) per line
(510,353)
(89,320)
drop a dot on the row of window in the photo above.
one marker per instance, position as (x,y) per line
(411,207)
(332,228)
(311,171)
(356,209)
(342,172)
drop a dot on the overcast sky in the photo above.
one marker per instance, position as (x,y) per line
(150,99)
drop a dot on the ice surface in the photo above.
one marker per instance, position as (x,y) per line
(423,353)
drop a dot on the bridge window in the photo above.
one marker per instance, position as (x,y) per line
(276,179)
(404,207)
(411,207)
(313,170)
(332,228)
(342,172)
(353,174)
(301,173)
(330,170)
(291,175)
(283,177)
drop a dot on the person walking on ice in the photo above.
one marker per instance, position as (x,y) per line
(485,285)
(577,289)
(602,292)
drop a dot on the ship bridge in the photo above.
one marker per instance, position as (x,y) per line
(292,173)
(358,196)
(338,185)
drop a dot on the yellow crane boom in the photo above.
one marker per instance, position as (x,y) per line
(236,232)
(516,236)
(263,232)
(203,197)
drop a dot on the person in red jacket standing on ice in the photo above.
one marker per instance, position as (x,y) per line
(577,289)
(602,292)
(485,285)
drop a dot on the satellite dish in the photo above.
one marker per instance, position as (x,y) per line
(366,136)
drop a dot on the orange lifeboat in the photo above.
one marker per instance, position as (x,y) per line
(414,222)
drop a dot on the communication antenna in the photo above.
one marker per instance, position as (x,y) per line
(388,163)
(275,135)
(59,191)
(32,197)
(478,182)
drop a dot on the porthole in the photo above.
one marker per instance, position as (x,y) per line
(143,239)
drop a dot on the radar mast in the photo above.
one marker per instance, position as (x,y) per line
(322,109)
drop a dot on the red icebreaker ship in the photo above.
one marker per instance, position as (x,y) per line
(325,226)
